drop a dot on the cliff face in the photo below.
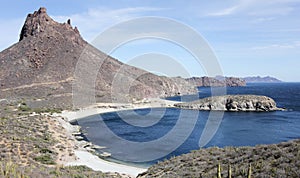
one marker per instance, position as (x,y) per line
(42,64)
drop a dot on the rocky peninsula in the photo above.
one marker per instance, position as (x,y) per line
(232,103)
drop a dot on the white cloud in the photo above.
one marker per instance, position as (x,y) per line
(224,12)
(96,20)
(272,11)
(89,23)
(263,19)
(241,5)
(257,8)
(293,45)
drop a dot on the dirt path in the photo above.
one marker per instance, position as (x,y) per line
(38,84)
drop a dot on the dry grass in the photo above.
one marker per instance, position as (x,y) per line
(32,145)
(13,170)
(277,160)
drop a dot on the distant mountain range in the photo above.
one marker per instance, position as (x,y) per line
(259,79)
(217,81)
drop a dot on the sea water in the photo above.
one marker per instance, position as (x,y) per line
(235,129)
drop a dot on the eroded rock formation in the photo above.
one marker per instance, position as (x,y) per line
(232,103)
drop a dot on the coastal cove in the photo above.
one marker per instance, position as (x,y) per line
(142,90)
(236,129)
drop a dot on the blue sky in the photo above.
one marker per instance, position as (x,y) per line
(249,37)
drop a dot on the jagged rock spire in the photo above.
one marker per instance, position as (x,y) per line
(40,23)
(35,23)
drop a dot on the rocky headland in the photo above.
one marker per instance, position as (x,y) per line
(232,103)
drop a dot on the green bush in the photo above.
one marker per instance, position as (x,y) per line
(45,159)
(45,150)
(24,108)
(47,110)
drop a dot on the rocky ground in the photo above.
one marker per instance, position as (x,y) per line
(36,145)
(277,160)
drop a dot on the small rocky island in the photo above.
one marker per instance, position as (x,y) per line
(232,103)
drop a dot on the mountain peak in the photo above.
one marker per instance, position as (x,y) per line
(39,24)
(42,10)
(35,23)
(43,63)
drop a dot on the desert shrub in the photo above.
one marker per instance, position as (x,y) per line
(45,159)
(24,108)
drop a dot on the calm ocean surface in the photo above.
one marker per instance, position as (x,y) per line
(236,128)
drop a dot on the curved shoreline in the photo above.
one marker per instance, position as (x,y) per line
(91,160)
(101,108)
(83,156)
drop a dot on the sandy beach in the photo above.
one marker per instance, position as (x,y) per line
(100,108)
(83,156)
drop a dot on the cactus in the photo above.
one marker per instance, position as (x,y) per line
(219,175)
(229,171)
(219,171)
(249,171)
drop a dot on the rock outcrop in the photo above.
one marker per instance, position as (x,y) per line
(232,103)
(216,81)
(39,24)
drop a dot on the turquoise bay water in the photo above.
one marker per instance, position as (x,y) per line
(236,128)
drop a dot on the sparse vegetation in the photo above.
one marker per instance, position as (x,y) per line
(29,149)
(12,170)
(47,110)
(45,159)
(23,107)
(277,160)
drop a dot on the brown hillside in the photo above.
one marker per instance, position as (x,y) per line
(41,67)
